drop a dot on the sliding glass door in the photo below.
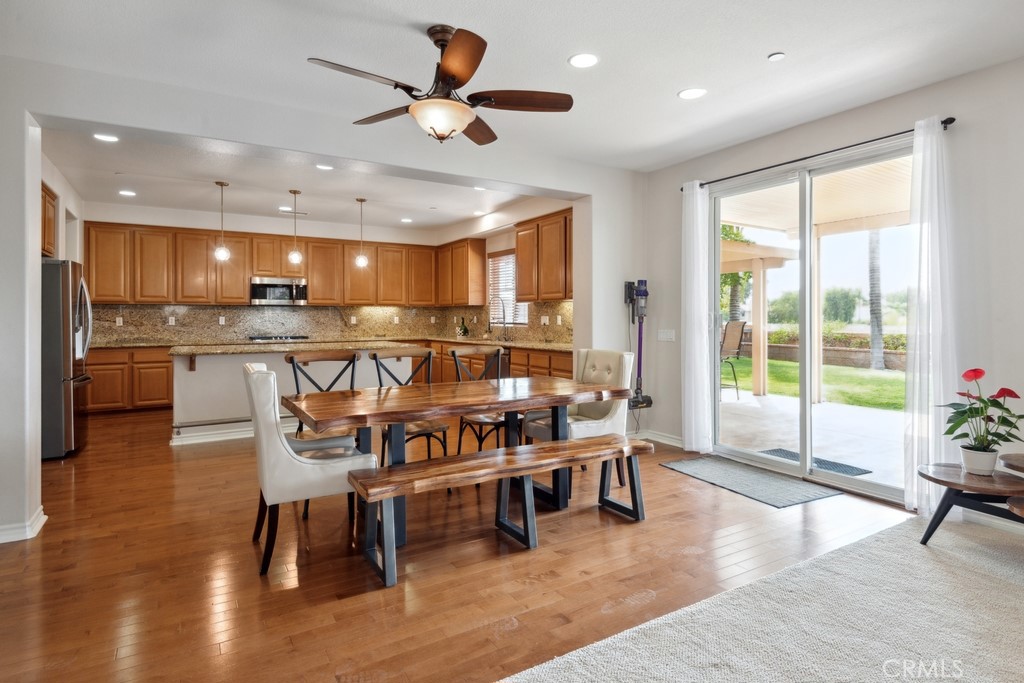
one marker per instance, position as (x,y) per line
(813,265)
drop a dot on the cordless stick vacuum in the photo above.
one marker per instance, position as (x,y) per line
(636,297)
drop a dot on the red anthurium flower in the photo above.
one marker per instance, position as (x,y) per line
(973,375)
(1005,393)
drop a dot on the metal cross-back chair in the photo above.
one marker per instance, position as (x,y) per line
(732,341)
(431,430)
(342,437)
(482,425)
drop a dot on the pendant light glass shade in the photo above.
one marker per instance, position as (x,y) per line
(361,260)
(221,253)
(295,256)
(441,118)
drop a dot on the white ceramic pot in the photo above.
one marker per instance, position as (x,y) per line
(978,462)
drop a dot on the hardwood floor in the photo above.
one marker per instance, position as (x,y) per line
(145,570)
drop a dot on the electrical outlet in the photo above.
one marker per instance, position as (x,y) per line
(474,320)
(455,319)
(558,320)
(433,320)
(170,320)
(352,320)
(395,320)
(667,335)
(544,320)
(220,320)
(118,321)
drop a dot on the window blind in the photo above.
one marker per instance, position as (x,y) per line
(501,285)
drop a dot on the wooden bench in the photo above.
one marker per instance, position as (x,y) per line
(379,487)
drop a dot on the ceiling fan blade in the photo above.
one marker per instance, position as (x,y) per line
(522,100)
(462,57)
(479,132)
(383,116)
(398,85)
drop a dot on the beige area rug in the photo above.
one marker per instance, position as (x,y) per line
(883,609)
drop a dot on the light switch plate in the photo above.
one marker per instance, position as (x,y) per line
(118,321)
(220,320)
(352,320)
(666,335)
(433,319)
(170,320)
(558,320)
(395,320)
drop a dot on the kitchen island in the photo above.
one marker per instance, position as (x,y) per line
(209,394)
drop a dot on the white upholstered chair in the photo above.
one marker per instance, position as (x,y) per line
(595,366)
(284,475)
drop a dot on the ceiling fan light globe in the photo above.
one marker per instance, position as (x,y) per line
(295,257)
(441,118)
(222,253)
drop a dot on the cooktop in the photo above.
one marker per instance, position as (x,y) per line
(278,337)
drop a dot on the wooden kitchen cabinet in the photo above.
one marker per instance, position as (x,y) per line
(392,275)
(128,378)
(524,363)
(195,271)
(108,267)
(422,277)
(444,275)
(324,273)
(232,281)
(152,266)
(469,272)
(360,283)
(270,256)
(544,259)
(49,226)
(519,363)
(561,364)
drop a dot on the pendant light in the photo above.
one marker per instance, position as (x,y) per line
(295,256)
(221,253)
(361,260)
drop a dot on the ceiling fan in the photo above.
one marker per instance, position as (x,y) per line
(441,111)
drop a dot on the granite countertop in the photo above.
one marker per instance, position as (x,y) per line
(344,345)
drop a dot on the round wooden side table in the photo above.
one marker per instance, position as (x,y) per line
(970,491)
(1014,461)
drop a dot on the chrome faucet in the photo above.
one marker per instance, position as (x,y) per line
(504,320)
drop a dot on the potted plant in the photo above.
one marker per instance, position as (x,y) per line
(984,422)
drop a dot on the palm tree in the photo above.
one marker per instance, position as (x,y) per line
(875,301)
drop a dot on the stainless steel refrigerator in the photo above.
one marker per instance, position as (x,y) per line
(66,332)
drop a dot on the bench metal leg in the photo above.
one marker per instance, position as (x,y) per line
(636,494)
(526,534)
(382,560)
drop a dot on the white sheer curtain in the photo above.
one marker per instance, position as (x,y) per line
(931,335)
(696,317)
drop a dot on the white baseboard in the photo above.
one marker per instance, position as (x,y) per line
(192,434)
(996,522)
(658,436)
(21,532)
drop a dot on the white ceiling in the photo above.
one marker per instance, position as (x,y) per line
(841,54)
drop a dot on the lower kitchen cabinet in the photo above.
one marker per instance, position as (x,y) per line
(123,379)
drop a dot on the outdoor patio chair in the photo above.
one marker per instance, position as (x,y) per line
(732,340)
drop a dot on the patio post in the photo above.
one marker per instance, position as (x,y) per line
(759,328)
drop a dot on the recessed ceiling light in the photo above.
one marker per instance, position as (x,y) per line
(583,60)
(104,137)
(126,193)
(480,189)
(692,93)
(776,56)
(285,208)
(407,220)
(325,167)
(478,213)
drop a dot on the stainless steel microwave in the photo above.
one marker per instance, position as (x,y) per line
(277,291)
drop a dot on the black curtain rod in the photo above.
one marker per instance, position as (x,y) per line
(946,123)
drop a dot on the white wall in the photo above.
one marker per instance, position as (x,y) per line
(602,236)
(986,146)
(69,241)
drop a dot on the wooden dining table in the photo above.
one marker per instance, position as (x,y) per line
(397,405)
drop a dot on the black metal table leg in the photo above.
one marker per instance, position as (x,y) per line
(557,495)
(945,505)
(396,446)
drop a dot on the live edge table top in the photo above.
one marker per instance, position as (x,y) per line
(362,407)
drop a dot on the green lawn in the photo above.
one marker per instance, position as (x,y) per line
(854,386)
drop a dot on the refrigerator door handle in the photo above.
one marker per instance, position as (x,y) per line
(87,322)
(82,379)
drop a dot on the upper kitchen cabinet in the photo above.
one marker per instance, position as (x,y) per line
(324,272)
(270,256)
(444,275)
(462,273)
(194,267)
(360,282)
(49,245)
(392,275)
(108,264)
(152,266)
(233,275)
(422,277)
(544,258)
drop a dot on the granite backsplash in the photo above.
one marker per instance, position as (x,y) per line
(196,325)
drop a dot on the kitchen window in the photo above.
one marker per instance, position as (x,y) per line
(501,286)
